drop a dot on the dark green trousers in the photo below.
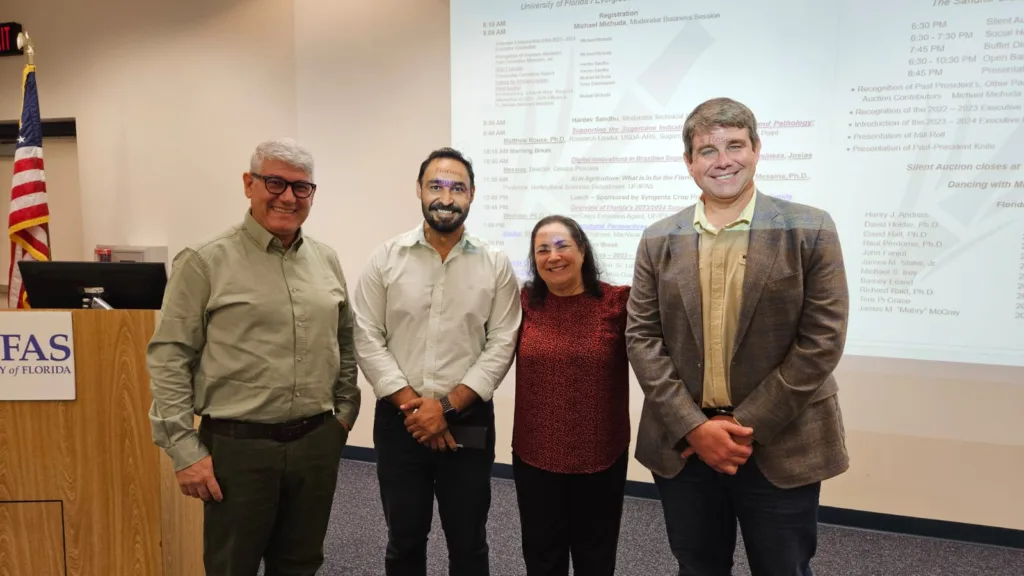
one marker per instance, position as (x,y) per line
(277,502)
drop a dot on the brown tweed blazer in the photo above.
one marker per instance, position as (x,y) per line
(790,337)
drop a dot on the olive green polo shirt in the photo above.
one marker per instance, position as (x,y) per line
(250,331)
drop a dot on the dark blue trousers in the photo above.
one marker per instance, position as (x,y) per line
(702,507)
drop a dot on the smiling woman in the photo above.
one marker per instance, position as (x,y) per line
(571,429)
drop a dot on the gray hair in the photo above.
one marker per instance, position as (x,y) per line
(716,112)
(283,150)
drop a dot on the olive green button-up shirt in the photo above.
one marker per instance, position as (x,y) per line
(250,331)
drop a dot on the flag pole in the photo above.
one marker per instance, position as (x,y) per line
(25,43)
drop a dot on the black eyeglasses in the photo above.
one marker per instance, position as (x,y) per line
(276,185)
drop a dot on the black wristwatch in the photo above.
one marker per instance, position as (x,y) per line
(449,410)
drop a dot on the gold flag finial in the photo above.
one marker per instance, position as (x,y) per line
(25,43)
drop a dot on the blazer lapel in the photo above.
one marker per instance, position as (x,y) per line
(686,255)
(764,242)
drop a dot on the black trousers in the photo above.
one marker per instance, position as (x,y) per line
(277,502)
(570,514)
(411,475)
(702,506)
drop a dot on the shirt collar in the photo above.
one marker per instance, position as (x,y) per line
(701,223)
(263,237)
(417,236)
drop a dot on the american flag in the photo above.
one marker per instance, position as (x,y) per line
(29,222)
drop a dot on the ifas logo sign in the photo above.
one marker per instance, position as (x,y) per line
(37,356)
(18,348)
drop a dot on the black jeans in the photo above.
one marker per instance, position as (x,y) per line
(277,502)
(411,474)
(563,514)
(780,527)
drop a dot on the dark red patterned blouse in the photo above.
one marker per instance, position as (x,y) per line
(572,382)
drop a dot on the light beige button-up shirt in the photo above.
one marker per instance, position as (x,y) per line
(250,331)
(432,325)
(723,261)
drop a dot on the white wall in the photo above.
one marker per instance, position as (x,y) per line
(170,98)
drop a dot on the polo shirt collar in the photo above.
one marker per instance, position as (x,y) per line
(701,223)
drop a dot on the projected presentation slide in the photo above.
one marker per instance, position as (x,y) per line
(902,119)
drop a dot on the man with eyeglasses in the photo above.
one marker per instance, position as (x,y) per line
(255,336)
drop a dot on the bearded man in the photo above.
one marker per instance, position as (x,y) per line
(437,318)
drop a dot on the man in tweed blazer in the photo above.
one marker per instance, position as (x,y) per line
(737,319)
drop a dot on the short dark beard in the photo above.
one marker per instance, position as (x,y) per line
(445,227)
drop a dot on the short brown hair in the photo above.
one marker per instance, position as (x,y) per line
(716,112)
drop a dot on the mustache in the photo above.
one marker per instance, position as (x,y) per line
(439,206)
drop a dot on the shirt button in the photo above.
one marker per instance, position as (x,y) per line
(295,289)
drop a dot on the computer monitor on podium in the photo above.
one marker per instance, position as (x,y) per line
(119,285)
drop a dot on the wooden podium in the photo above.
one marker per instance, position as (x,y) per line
(83,490)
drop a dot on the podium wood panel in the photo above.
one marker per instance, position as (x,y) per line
(31,539)
(95,457)
(183,525)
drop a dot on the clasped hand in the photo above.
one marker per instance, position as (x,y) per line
(424,419)
(721,443)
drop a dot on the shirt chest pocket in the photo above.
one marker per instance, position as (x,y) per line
(325,300)
(474,299)
(408,300)
(318,315)
(783,298)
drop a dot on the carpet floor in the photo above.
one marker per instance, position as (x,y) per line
(357,536)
